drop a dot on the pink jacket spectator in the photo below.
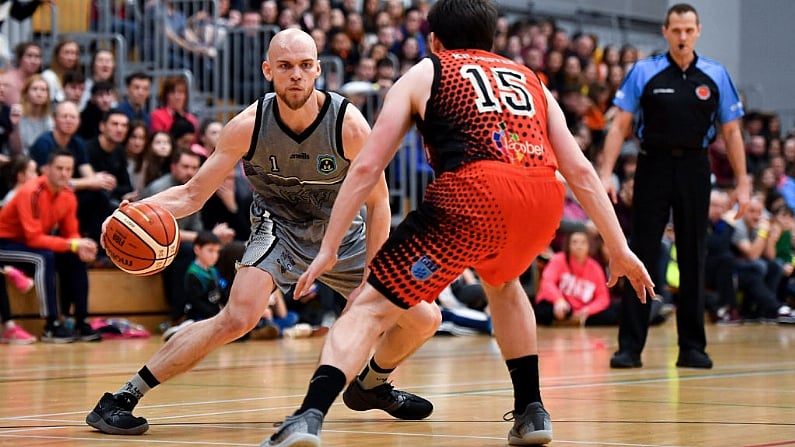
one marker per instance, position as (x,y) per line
(583,286)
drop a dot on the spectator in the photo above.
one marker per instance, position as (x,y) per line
(135,149)
(209,131)
(28,63)
(758,276)
(183,134)
(39,231)
(573,287)
(157,158)
(135,101)
(12,333)
(173,104)
(103,97)
(21,10)
(74,85)
(36,115)
(107,154)
(206,292)
(16,173)
(184,165)
(229,206)
(10,115)
(721,263)
(63,136)
(65,58)
(103,69)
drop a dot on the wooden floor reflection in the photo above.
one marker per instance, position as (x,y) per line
(235,395)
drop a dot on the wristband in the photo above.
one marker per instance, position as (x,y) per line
(762,233)
(73,245)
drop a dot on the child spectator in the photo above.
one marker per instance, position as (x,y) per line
(205,290)
(275,320)
(74,85)
(36,115)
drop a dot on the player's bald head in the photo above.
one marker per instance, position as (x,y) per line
(291,40)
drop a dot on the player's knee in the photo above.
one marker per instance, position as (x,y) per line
(237,322)
(426,318)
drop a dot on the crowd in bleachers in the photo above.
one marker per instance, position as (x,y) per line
(126,149)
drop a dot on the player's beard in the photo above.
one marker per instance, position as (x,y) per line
(292,102)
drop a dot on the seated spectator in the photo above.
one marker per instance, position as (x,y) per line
(720,264)
(28,63)
(173,103)
(209,132)
(276,320)
(86,183)
(135,148)
(135,101)
(157,157)
(103,69)
(65,58)
(10,114)
(573,288)
(183,134)
(16,173)
(102,99)
(39,234)
(107,154)
(11,332)
(36,114)
(758,276)
(184,165)
(206,291)
(74,85)
(464,307)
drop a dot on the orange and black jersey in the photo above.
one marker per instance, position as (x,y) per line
(484,107)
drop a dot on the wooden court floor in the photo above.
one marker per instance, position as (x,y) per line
(235,395)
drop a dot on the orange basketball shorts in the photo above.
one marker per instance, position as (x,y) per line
(488,215)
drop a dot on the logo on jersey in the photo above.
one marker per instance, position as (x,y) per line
(423,268)
(703,92)
(326,164)
(510,145)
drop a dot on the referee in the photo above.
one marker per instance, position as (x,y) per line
(678,98)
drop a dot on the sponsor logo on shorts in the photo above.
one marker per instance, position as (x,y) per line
(423,268)
(326,164)
(286,262)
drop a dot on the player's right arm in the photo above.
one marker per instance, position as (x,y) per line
(587,187)
(233,144)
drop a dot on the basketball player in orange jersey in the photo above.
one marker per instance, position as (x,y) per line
(296,146)
(495,137)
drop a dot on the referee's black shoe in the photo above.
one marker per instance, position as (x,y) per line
(399,404)
(113,415)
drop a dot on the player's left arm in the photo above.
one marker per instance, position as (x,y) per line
(355,131)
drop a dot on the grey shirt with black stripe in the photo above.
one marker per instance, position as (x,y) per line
(296,178)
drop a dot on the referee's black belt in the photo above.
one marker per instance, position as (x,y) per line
(676,152)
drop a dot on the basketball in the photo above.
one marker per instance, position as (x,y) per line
(141,238)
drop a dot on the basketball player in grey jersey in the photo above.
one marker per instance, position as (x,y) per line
(296,146)
(296,179)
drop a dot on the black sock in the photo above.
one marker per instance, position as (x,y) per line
(326,384)
(524,375)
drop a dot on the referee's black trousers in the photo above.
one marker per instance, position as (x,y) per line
(665,181)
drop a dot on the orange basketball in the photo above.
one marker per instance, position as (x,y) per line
(141,238)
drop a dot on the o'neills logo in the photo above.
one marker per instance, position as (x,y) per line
(703,92)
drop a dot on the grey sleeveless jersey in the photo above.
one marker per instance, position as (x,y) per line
(296,178)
